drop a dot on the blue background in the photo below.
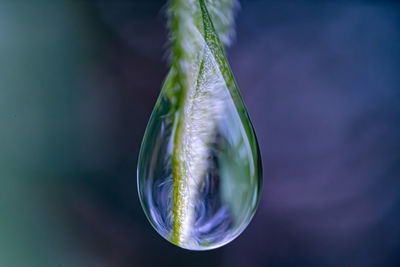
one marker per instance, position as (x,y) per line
(79,79)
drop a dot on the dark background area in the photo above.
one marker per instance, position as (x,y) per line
(78,81)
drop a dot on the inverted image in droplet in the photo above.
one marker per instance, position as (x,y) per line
(199,169)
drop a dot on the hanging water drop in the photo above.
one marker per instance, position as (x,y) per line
(199,167)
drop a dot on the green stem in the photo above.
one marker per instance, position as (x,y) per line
(197,49)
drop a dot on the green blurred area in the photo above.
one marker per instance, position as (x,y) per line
(45,49)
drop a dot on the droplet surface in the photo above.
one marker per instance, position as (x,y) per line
(199,167)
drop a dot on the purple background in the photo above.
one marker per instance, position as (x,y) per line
(320,80)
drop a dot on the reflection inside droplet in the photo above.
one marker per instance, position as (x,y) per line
(226,197)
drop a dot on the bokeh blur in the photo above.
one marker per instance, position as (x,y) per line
(78,81)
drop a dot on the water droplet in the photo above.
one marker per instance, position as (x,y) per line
(199,167)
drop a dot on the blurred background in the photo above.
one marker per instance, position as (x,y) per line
(78,81)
